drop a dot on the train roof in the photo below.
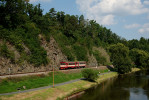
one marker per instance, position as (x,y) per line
(71,61)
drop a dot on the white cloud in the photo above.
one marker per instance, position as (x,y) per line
(141,30)
(32,1)
(105,11)
(108,20)
(132,26)
(144,28)
(146,2)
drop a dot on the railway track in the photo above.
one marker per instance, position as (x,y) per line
(34,73)
(23,74)
(46,72)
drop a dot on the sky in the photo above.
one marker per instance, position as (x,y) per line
(127,18)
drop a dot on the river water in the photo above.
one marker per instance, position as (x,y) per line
(134,86)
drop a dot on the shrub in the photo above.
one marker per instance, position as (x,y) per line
(5,52)
(100,59)
(124,69)
(90,74)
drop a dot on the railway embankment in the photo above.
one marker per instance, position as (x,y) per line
(46,72)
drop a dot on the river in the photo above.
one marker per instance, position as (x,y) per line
(134,86)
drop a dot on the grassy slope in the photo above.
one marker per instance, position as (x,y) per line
(135,69)
(11,84)
(58,92)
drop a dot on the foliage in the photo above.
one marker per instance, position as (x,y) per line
(6,53)
(119,54)
(64,43)
(139,58)
(80,52)
(142,44)
(100,59)
(76,36)
(90,74)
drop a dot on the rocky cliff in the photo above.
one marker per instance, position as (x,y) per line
(54,56)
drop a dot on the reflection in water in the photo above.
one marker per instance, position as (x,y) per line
(137,94)
(133,86)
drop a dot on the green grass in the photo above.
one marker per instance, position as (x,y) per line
(101,71)
(11,84)
(59,92)
(104,71)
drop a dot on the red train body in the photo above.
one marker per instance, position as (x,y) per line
(66,65)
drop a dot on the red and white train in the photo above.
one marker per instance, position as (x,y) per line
(66,65)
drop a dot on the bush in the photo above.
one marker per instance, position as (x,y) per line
(90,74)
(100,59)
(124,69)
(5,52)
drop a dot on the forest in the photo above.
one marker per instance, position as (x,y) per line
(21,23)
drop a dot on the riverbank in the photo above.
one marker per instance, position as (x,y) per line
(133,86)
(135,69)
(26,83)
(60,92)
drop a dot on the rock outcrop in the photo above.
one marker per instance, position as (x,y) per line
(54,55)
(92,62)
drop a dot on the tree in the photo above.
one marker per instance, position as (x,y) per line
(13,13)
(5,52)
(52,13)
(60,17)
(90,74)
(80,52)
(21,23)
(81,21)
(139,57)
(119,54)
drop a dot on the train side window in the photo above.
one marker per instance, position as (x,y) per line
(63,63)
(82,63)
(71,63)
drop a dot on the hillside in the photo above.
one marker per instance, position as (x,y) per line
(31,41)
